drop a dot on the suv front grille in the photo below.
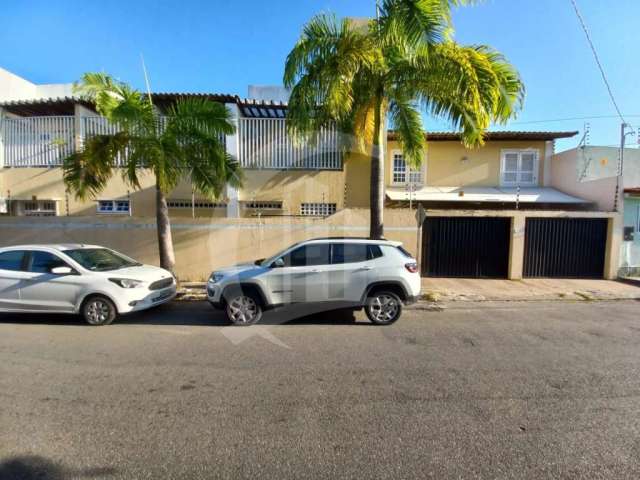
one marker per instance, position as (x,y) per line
(160,284)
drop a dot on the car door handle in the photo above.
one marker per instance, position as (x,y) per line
(367,268)
(316,270)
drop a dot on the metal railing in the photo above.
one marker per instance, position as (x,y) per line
(37,141)
(265,143)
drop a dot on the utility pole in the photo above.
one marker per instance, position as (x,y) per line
(617,201)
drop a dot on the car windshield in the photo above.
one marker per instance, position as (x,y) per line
(100,259)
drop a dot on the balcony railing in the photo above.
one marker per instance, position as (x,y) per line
(37,141)
(264,143)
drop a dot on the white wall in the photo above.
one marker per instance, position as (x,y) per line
(590,173)
(14,87)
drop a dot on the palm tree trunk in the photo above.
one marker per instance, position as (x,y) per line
(163,223)
(376,200)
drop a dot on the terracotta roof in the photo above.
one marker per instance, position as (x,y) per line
(504,135)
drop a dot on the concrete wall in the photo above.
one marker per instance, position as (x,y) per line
(591,173)
(450,164)
(14,87)
(202,245)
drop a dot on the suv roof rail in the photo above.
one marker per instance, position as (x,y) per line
(348,238)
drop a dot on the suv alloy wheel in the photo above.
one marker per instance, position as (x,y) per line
(243,309)
(383,307)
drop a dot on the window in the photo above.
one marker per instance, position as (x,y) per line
(39,208)
(43,262)
(184,203)
(11,260)
(348,252)
(317,209)
(263,205)
(308,255)
(114,206)
(638,219)
(354,252)
(519,167)
(402,174)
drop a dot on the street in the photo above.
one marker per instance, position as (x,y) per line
(479,390)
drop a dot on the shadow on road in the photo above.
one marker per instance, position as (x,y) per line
(32,467)
(196,314)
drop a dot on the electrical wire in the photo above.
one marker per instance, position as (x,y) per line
(597,58)
(568,119)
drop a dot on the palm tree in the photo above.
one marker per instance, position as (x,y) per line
(394,68)
(185,142)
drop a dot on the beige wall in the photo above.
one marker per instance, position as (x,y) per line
(294,187)
(444,166)
(577,172)
(202,245)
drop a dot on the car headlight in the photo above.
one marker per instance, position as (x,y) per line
(215,277)
(126,282)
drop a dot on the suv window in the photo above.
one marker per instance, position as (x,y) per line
(11,260)
(354,252)
(43,262)
(404,252)
(348,252)
(307,255)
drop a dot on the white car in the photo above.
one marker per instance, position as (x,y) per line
(377,275)
(91,280)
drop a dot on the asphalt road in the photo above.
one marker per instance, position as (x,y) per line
(520,390)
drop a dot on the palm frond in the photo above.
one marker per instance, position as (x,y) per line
(87,171)
(321,69)
(406,121)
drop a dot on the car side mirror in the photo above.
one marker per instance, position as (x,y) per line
(278,263)
(61,271)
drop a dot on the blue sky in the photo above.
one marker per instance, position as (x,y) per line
(222,46)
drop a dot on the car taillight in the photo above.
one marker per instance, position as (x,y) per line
(412,267)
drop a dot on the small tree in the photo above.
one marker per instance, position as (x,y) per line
(396,67)
(185,142)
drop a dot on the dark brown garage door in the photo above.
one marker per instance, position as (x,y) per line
(465,247)
(565,247)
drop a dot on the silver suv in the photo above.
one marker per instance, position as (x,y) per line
(377,275)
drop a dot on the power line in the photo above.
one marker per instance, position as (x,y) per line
(597,58)
(568,119)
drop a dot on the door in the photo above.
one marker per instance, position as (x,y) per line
(303,276)
(350,271)
(466,247)
(11,274)
(43,290)
(565,247)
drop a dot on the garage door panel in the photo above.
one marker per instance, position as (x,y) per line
(466,247)
(565,247)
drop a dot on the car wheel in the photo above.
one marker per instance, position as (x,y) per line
(243,309)
(383,308)
(98,310)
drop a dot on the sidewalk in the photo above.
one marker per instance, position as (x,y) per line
(463,289)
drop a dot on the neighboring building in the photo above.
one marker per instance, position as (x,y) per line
(591,173)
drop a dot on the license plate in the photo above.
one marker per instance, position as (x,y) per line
(162,296)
